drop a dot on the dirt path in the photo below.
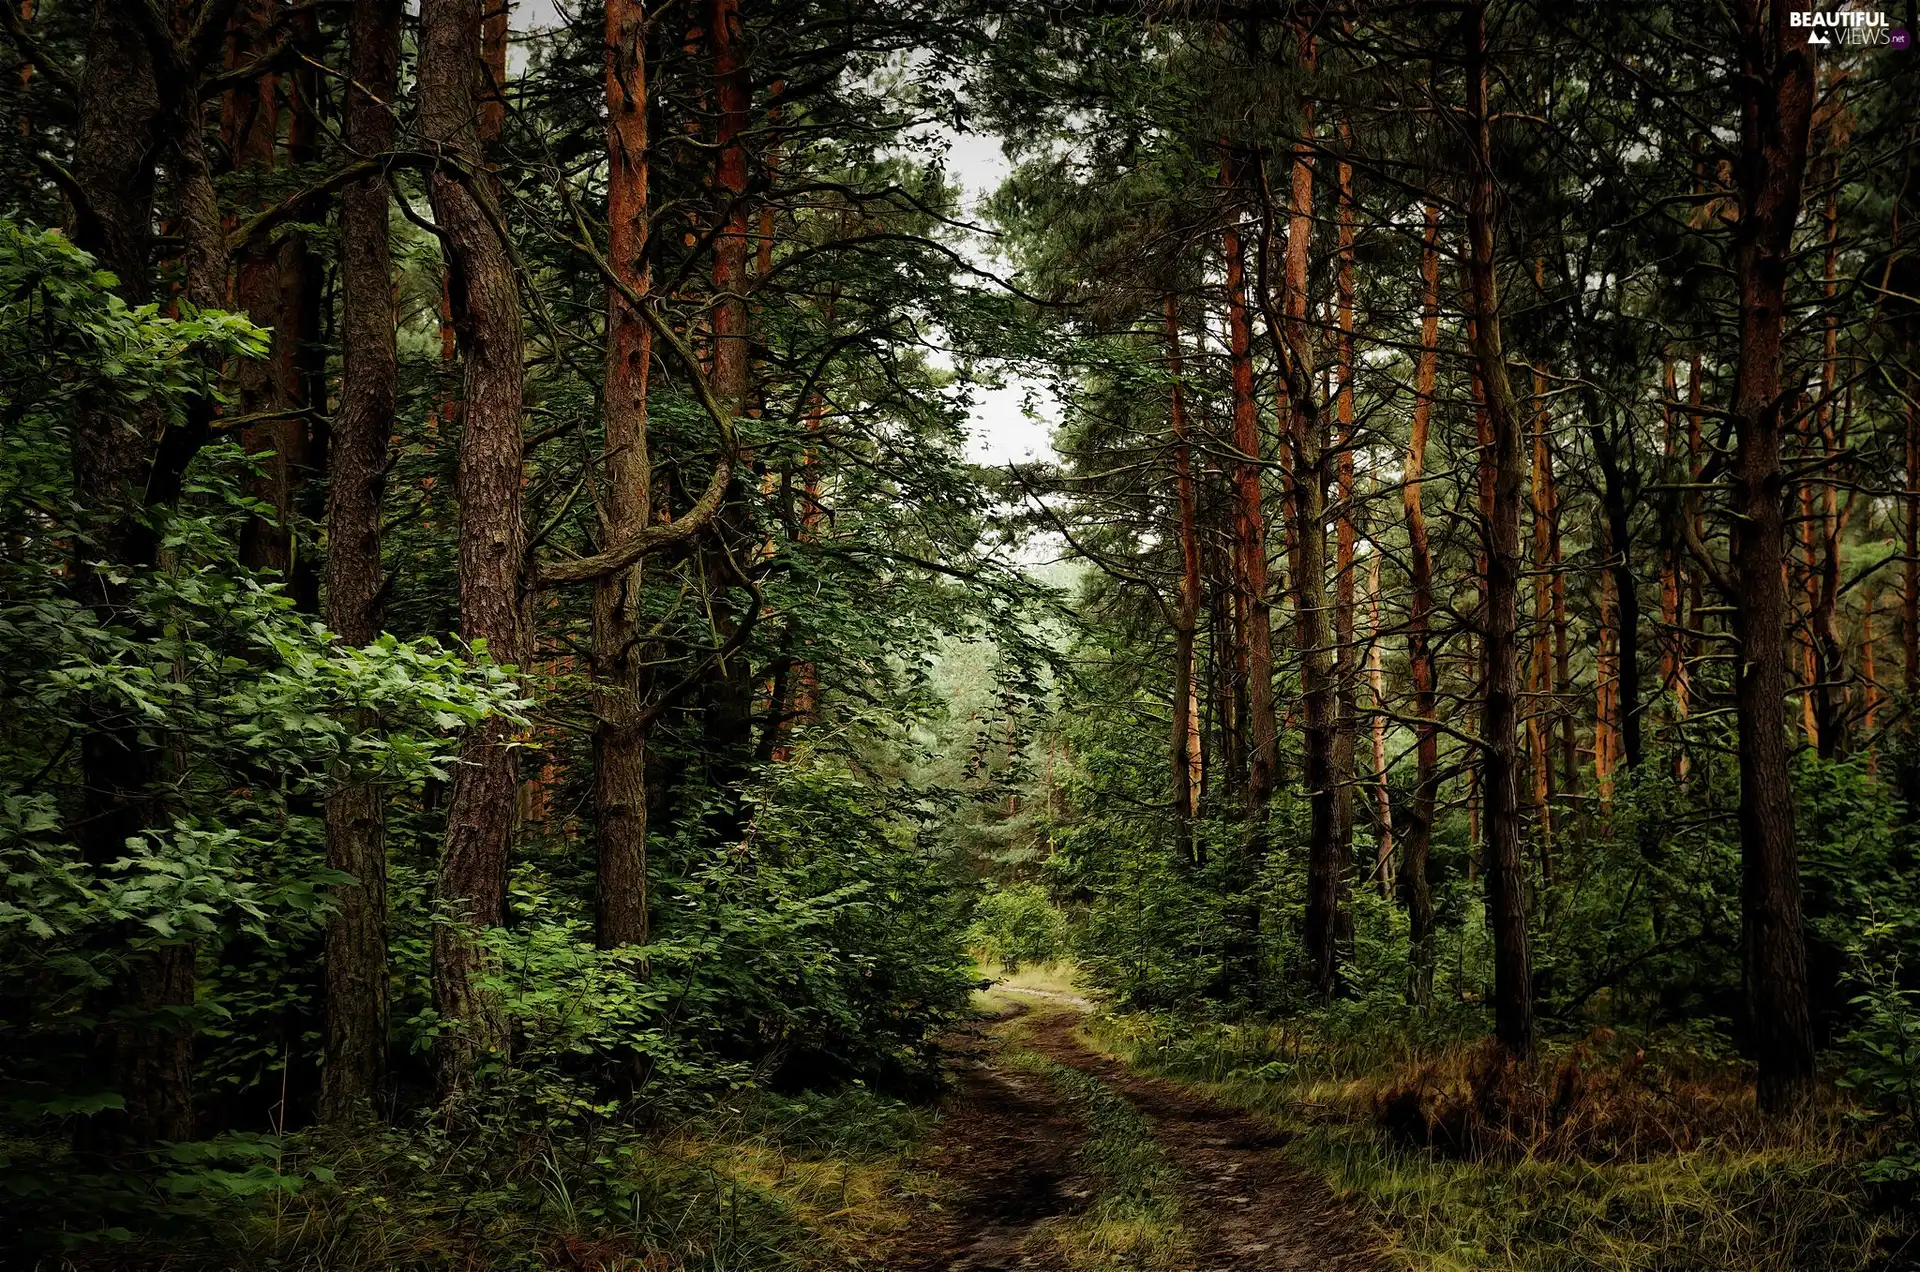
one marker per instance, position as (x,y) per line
(1007,1146)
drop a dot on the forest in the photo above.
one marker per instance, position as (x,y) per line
(548,722)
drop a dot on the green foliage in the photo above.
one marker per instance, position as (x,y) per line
(1017,926)
(1882,1050)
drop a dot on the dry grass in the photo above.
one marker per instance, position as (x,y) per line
(849,1207)
(1035,986)
(1596,1158)
(1580,1103)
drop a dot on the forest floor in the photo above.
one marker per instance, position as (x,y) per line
(1057,1156)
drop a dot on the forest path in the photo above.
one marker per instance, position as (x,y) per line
(1008,1145)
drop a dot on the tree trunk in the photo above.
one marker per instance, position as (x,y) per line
(1346,674)
(1606,678)
(1263,758)
(357,1011)
(471,888)
(1617,502)
(1506,886)
(728,694)
(1828,694)
(1377,682)
(1540,671)
(1252,608)
(1306,422)
(275,285)
(1187,616)
(1910,529)
(1774,85)
(1673,608)
(619,729)
(1414,888)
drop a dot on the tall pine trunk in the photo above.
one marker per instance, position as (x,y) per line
(1774,85)
(1346,655)
(1414,844)
(1506,885)
(1540,659)
(357,1011)
(471,888)
(729,690)
(1263,746)
(619,726)
(1253,610)
(1186,794)
(1307,427)
(136,104)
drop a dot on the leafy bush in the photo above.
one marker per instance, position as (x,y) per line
(1882,1051)
(1017,926)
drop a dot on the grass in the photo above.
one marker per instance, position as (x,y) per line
(1134,1219)
(771,1185)
(1597,1159)
(1041,980)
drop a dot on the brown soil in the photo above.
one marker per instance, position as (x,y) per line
(1007,1148)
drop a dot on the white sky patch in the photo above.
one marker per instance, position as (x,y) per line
(1014,421)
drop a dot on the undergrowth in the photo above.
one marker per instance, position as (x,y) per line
(1601,1156)
(768,1183)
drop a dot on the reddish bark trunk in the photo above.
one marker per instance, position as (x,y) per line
(1307,426)
(1540,669)
(1187,616)
(626,481)
(1346,661)
(1414,844)
(1774,86)
(1263,740)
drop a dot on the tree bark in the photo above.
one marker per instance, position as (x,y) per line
(471,888)
(1774,86)
(1263,750)
(1827,695)
(1673,610)
(1910,531)
(619,729)
(728,694)
(1506,885)
(275,284)
(1307,427)
(1540,669)
(354,1078)
(1617,501)
(1187,614)
(1414,887)
(1346,656)
(1252,608)
(1377,682)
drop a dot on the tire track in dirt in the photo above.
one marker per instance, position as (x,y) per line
(1249,1209)
(1006,1145)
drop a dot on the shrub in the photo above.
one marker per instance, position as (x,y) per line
(1017,926)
